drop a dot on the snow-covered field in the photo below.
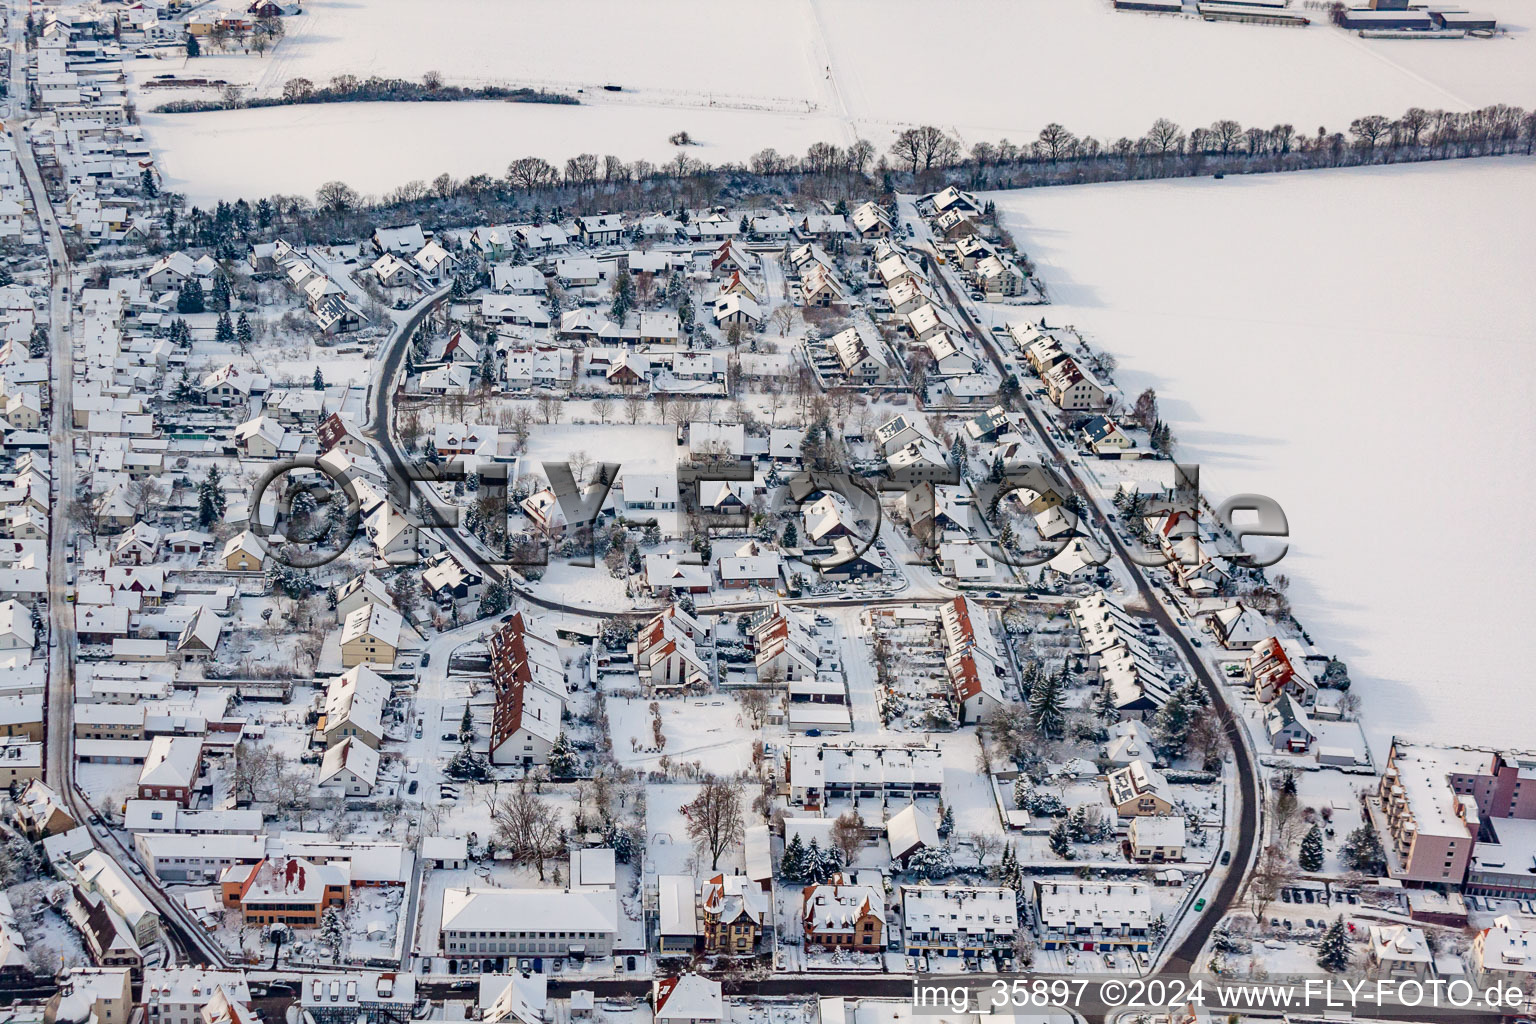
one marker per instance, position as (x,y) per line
(741,77)
(375,147)
(1357,345)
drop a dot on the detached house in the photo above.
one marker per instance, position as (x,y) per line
(1139,789)
(603,229)
(371,634)
(734,909)
(843,915)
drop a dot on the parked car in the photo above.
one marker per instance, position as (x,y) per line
(1226,857)
(412,787)
(425,658)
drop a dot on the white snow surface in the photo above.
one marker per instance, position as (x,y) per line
(1357,345)
(740,77)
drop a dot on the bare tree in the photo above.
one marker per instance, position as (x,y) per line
(848,835)
(1165,136)
(755,703)
(84,512)
(253,769)
(1273,872)
(785,315)
(602,406)
(715,821)
(986,846)
(527,827)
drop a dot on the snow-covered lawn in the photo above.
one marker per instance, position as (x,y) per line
(708,729)
(1354,344)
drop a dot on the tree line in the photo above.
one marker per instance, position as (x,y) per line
(921,158)
(373,89)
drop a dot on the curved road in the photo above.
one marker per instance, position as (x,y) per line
(1182,957)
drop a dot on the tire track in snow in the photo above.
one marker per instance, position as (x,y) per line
(822,66)
(1365,47)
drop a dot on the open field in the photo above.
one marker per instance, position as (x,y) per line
(377,146)
(814,71)
(1355,344)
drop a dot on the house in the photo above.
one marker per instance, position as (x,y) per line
(822,226)
(750,569)
(1279,666)
(739,284)
(1139,789)
(171,769)
(518,280)
(1504,954)
(998,278)
(734,911)
(362,590)
(687,999)
(139,545)
(840,914)
(178,995)
(1073,388)
(648,492)
(1398,951)
(92,995)
(402,241)
(1287,726)
(40,812)
(958,921)
(529,682)
(288,890)
(395,538)
(730,258)
(434,262)
(245,552)
(665,656)
(199,638)
(954,198)
(909,830)
(818,774)
(1238,626)
(1093,915)
(393,272)
(518,998)
(859,359)
(870,221)
(602,229)
(354,707)
(737,309)
(351,766)
(1129,741)
(677,927)
(16,632)
(972,658)
(578,271)
(481,924)
(371,634)
(666,573)
(819,287)
(1156,838)
(1104,438)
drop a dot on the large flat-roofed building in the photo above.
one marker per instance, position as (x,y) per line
(1433,802)
(493,924)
